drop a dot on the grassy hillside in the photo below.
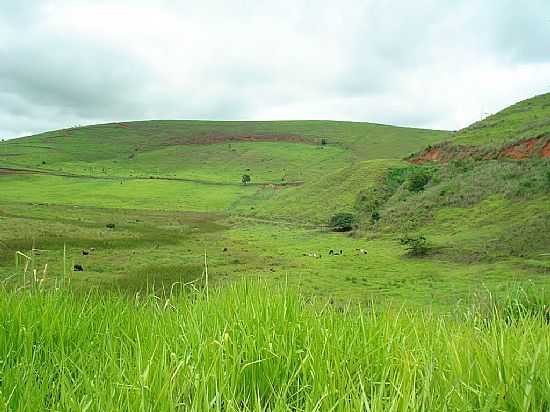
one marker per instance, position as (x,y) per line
(137,272)
(187,157)
(172,190)
(178,147)
(524,120)
(469,211)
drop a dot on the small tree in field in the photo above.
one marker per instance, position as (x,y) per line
(246,179)
(415,245)
(342,222)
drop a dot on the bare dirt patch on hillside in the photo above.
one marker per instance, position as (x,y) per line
(430,155)
(521,150)
(11,171)
(217,139)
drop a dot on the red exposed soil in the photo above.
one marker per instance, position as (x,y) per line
(519,151)
(216,139)
(432,155)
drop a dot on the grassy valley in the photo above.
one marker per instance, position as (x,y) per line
(141,239)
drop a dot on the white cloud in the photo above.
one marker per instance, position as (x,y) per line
(428,63)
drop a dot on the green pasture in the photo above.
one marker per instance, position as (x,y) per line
(121,193)
(173,191)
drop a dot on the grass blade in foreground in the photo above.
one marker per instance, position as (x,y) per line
(251,348)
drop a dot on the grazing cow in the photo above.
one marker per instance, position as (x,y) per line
(225,249)
(85,253)
(78,268)
(331,252)
(110,225)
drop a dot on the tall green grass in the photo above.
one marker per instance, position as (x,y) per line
(249,346)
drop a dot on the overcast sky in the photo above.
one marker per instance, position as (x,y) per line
(425,63)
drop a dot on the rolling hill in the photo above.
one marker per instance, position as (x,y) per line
(150,198)
(197,154)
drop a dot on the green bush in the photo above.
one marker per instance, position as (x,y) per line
(342,222)
(370,199)
(395,178)
(418,180)
(415,245)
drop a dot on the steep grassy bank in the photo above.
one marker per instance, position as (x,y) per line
(471,210)
(253,347)
(520,131)
(524,120)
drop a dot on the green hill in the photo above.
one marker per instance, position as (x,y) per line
(199,153)
(528,119)
(138,145)
(518,132)
(136,205)
(485,193)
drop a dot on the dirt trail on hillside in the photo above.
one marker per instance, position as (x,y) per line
(221,138)
(17,171)
(12,171)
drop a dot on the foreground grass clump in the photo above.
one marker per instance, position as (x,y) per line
(248,347)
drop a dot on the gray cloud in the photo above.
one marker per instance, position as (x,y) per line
(428,63)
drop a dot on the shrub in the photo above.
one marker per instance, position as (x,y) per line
(418,179)
(395,178)
(370,199)
(415,245)
(342,222)
(246,179)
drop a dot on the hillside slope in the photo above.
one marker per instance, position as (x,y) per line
(484,195)
(527,119)
(145,200)
(518,132)
(308,159)
(138,145)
